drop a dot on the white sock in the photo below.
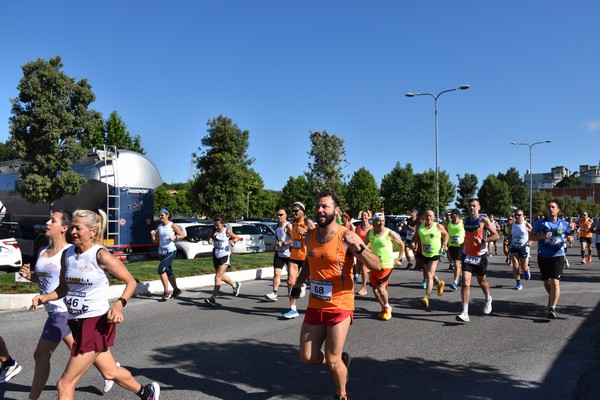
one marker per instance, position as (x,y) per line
(293,308)
(466,308)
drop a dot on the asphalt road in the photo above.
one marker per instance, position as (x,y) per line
(243,349)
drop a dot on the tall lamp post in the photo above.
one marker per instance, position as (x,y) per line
(530,174)
(437,168)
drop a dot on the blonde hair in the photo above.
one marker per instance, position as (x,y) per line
(93,220)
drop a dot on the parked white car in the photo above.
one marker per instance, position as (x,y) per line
(253,240)
(268,231)
(10,254)
(195,244)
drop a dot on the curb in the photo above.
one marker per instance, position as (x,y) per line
(23,301)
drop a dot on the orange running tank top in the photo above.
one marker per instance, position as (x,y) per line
(298,248)
(331,283)
(585,229)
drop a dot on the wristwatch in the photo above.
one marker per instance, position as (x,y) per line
(362,248)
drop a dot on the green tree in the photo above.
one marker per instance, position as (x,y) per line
(50,116)
(113,132)
(567,205)
(571,181)
(425,191)
(540,199)
(519,193)
(220,186)
(494,196)
(397,189)
(586,206)
(297,189)
(362,192)
(7,152)
(467,187)
(259,202)
(163,198)
(325,165)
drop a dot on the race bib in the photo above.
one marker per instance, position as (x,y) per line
(473,260)
(296,244)
(322,290)
(454,239)
(426,248)
(75,302)
(554,241)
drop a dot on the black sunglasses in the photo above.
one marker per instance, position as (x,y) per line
(295,211)
(280,215)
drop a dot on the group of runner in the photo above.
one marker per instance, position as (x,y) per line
(324,254)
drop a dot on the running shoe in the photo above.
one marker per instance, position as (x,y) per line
(236,289)
(567,265)
(454,285)
(336,397)
(451,267)
(291,314)
(108,384)
(211,301)
(487,309)
(410,266)
(425,301)
(386,314)
(441,285)
(9,372)
(176,293)
(518,286)
(551,313)
(589,259)
(362,292)
(303,290)
(463,317)
(271,296)
(424,284)
(583,260)
(166,296)
(527,275)
(154,391)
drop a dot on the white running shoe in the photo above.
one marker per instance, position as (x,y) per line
(487,309)
(7,373)
(303,290)
(463,316)
(271,296)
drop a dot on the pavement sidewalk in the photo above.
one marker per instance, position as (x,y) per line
(23,301)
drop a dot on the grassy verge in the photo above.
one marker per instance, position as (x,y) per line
(146,270)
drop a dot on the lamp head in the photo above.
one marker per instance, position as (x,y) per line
(410,95)
(464,87)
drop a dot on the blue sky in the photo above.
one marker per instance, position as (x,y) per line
(281,69)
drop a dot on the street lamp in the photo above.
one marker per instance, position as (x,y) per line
(437,168)
(530,174)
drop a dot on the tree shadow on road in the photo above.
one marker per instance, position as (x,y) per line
(260,370)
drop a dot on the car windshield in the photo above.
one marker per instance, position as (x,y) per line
(246,230)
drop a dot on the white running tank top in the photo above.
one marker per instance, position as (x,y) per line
(165,243)
(87,283)
(221,244)
(47,271)
(519,234)
(282,236)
